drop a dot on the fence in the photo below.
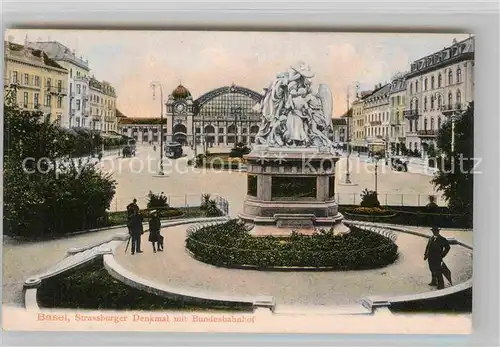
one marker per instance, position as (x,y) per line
(177,201)
(391,199)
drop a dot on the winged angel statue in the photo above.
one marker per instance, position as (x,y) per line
(292,115)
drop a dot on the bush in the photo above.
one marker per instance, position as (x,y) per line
(65,198)
(239,150)
(369,198)
(229,244)
(157,200)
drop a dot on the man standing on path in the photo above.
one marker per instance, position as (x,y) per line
(437,248)
(136,231)
(132,207)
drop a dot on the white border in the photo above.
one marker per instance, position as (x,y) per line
(481,18)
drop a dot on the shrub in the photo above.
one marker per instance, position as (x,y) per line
(230,244)
(369,198)
(157,200)
(212,210)
(65,198)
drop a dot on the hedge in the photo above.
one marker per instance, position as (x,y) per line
(415,216)
(230,245)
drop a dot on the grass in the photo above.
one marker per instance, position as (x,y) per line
(91,287)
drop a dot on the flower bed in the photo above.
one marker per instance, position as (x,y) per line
(230,245)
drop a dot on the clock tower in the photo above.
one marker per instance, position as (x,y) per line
(180,116)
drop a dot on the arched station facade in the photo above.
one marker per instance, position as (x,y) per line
(221,117)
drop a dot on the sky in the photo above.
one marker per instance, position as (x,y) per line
(205,60)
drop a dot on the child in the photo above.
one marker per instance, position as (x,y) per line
(154,232)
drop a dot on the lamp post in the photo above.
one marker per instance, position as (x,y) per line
(154,85)
(376,157)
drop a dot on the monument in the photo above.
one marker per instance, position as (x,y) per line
(291,169)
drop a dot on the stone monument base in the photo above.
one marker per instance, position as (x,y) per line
(291,189)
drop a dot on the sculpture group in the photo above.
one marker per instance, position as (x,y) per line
(294,116)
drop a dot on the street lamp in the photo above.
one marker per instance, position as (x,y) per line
(154,85)
(377,158)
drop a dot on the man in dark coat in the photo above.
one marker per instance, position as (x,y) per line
(135,229)
(154,232)
(132,207)
(437,248)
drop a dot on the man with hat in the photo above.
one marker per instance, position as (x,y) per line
(437,248)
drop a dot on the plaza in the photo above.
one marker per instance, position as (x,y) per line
(184,184)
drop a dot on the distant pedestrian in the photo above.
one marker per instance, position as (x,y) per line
(136,231)
(437,248)
(154,232)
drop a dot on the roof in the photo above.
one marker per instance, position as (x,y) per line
(181,92)
(381,92)
(119,114)
(36,53)
(339,121)
(57,51)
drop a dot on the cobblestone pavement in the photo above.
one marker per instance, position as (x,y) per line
(408,275)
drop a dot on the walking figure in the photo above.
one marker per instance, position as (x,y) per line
(154,232)
(135,230)
(437,248)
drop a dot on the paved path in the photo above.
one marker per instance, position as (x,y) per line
(408,275)
(22,260)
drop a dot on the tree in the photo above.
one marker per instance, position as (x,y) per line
(43,192)
(455,175)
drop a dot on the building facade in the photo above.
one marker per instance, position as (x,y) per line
(110,123)
(78,82)
(339,130)
(96,105)
(358,140)
(376,114)
(438,84)
(397,140)
(38,82)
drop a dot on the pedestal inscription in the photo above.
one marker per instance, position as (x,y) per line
(295,224)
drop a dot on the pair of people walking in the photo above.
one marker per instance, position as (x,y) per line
(135,226)
(437,248)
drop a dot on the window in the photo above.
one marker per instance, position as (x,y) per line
(459,97)
(439,80)
(432,82)
(48,100)
(59,85)
(49,82)
(425,103)
(399,100)
(26,79)
(432,123)
(416,87)
(411,88)
(450,99)
(439,122)
(197,130)
(26,96)
(77,73)
(411,125)
(425,124)
(78,105)
(35,99)
(78,89)
(37,81)
(14,77)
(411,105)
(459,75)
(425,84)
(59,102)
(84,89)
(439,101)
(450,77)
(432,102)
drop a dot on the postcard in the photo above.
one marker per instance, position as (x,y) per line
(225,181)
